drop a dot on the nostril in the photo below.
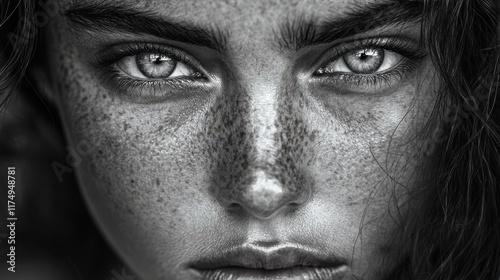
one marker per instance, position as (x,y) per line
(233,206)
(294,205)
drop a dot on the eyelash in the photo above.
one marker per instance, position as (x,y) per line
(105,64)
(410,50)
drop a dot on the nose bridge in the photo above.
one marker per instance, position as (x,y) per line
(262,116)
(257,166)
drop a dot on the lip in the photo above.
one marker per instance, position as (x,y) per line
(289,261)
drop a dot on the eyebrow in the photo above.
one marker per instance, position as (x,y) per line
(299,33)
(292,35)
(105,16)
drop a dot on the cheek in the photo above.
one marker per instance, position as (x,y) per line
(144,181)
(370,141)
(369,161)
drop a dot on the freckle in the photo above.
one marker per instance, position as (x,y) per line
(312,136)
(100,152)
(157,181)
(130,211)
(132,181)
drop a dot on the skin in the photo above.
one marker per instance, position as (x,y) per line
(262,153)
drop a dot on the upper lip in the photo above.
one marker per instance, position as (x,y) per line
(269,258)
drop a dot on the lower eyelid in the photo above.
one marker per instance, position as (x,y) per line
(150,91)
(356,83)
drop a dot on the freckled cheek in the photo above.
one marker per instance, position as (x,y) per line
(355,191)
(140,175)
(151,175)
(146,190)
(352,167)
(345,174)
(140,152)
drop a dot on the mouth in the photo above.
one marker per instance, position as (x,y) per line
(277,262)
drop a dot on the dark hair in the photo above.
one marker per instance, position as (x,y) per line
(458,232)
(459,236)
(17,44)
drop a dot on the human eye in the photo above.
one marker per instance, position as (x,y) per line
(373,65)
(146,72)
(154,65)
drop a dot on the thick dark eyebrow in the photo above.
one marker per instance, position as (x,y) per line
(301,32)
(113,17)
(292,35)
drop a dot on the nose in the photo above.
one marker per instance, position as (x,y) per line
(263,195)
(261,166)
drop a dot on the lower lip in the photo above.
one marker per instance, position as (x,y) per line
(296,272)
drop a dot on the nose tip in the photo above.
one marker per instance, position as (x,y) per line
(264,196)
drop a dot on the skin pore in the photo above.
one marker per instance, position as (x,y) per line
(250,130)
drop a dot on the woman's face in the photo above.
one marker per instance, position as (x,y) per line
(245,138)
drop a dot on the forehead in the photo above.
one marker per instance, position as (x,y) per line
(232,14)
